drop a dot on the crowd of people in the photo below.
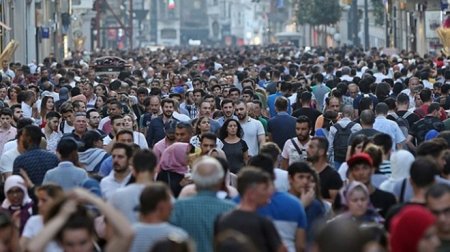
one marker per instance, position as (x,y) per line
(228,149)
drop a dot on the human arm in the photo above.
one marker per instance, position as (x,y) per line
(245,157)
(284,163)
(300,240)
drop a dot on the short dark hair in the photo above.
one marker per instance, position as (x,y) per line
(115,117)
(384,141)
(152,195)
(263,162)
(323,143)
(304,119)
(234,89)
(52,114)
(299,167)
(34,133)
(423,171)
(144,161)
(270,149)
(249,176)
(433,147)
(434,106)
(208,135)
(66,147)
(88,113)
(124,132)
(437,190)
(381,108)
(225,101)
(281,103)
(6,112)
(167,100)
(128,149)
(402,98)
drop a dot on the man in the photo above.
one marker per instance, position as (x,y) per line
(283,89)
(117,125)
(17,114)
(88,92)
(168,140)
(426,96)
(255,188)
(234,94)
(126,199)
(282,126)
(197,214)
(6,72)
(155,206)
(183,132)
(429,122)
(366,119)
(152,110)
(28,104)
(258,115)
(123,136)
(272,150)
(227,110)
(188,106)
(139,108)
(339,135)
(93,120)
(330,181)
(66,174)
(121,154)
(208,141)
(402,104)
(361,170)
(51,130)
(205,110)
(387,126)
(155,130)
(254,134)
(301,184)
(306,108)
(319,90)
(80,127)
(114,109)
(34,161)
(7,131)
(286,212)
(413,89)
(294,149)
(438,202)
(68,117)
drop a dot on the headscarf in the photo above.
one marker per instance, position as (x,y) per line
(13,181)
(348,189)
(174,158)
(408,227)
(401,162)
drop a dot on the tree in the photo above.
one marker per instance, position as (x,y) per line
(319,12)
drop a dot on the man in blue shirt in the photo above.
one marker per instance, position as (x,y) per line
(283,90)
(282,126)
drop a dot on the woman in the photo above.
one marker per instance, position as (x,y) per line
(355,198)
(17,201)
(413,230)
(71,225)
(235,148)
(401,162)
(100,105)
(174,166)
(12,95)
(92,153)
(130,124)
(357,146)
(376,153)
(100,90)
(46,196)
(202,126)
(47,105)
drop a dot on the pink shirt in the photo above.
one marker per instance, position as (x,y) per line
(159,147)
(6,136)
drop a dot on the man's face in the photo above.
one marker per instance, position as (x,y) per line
(141,98)
(362,173)
(126,139)
(334,104)
(120,160)
(197,97)
(197,84)
(113,109)
(440,207)
(94,119)
(6,121)
(256,110)
(313,151)
(18,113)
(80,124)
(167,109)
(353,91)
(182,135)
(3,93)
(300,182)
(4,64)
(302,131)
(234,95)
(69,117)
(413,84)
(228,109)
(241,111)
(217,91)
(53,124)
(118,125)
(246,97)
(441,160)
(88,90)
(206,145)
(211,102)
(81,108)
(205,109)
(154,105)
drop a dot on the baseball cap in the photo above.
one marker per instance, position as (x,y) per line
(360,158)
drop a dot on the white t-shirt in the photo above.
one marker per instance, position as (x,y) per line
(9,146)
(252,129)
(32,228)
(7,160)
(291,153)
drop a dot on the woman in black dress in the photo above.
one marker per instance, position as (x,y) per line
(234,146)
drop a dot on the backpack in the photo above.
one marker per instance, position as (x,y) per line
(340,142)
(402,122)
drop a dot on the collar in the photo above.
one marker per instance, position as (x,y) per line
(283,113)
(207,193)
(65,163)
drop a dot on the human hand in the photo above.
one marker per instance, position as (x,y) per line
(26,178)
(308,196)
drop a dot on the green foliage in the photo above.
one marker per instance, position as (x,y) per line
(319,12)
(378,11)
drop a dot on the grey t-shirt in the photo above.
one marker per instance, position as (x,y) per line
(126,199)
(146,235)
(408,191)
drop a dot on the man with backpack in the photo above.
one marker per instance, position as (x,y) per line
(405,119)
(339,135)
(389,127)
(429,122)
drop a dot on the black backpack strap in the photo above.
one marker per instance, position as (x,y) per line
(296,146)
(402,191)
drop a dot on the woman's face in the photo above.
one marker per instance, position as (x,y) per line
(99,102)
(13,93)
(359,148)
(133,92)
(204,125)
(99,91)
(232,128)
(44,202)
(128,122)
(50,104)
(15,196)
(77,240)
(429,241)
(358,202)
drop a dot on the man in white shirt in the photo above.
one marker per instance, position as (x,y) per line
(294,149)
(254,134)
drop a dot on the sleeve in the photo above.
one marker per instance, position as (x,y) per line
(29,229)
(399,137)
(46,179)
(260,129)
(271,234)
(105,169)
(286,147)
(5,164)
(244,145)
(142,141)
(335,181)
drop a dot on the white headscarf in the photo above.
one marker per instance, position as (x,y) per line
(401,162)
(13,181)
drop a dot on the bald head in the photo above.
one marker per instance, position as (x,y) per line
(207,174)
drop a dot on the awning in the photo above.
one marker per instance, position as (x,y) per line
(5,26)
